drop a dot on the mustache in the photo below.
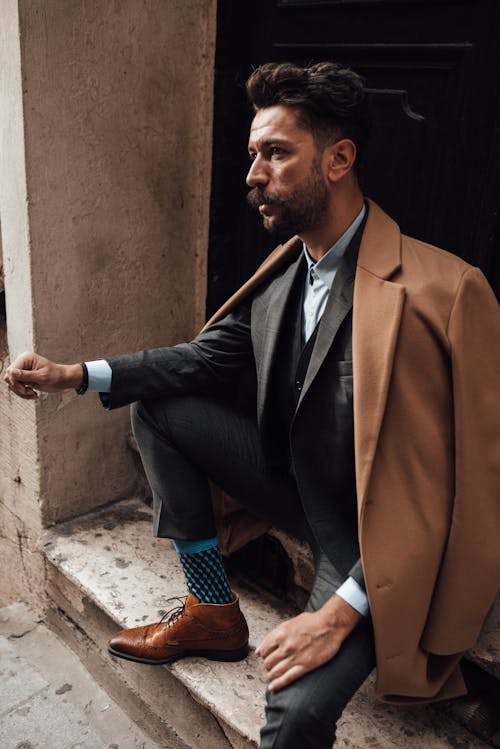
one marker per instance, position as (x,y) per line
(257,197)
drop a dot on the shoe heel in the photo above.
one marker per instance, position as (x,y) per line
(228,655)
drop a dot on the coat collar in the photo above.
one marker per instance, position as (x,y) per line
(379,254)
(380,249)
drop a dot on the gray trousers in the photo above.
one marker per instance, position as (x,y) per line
(184,441)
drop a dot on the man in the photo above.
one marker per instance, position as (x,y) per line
(371,425)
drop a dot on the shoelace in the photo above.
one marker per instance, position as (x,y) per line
(171,616)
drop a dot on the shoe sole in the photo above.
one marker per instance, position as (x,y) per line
(228,656)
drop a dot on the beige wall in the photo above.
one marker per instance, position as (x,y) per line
(105,127)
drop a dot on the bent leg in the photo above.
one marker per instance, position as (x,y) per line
(184,441)
(304,715)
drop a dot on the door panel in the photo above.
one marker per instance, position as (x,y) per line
(433,71)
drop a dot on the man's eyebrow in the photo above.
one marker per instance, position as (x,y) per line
(267,143)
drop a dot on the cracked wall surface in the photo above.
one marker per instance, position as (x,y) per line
(105,153)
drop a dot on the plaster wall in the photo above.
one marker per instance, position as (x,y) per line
(20,524)
(106,126)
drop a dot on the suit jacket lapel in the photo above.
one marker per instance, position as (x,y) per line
(276,304)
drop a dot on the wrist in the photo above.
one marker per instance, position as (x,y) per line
(72,376)
(340,615)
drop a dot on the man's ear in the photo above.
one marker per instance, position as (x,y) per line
(340,159)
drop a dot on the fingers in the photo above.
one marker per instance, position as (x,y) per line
(17,380)
(23,391)
(281,666)
(25,374)
(275,638)
(285,660)
(277,656)
(13,374)
(25,361)
(296,647)
(291,674)
(20,381)
(268,644)
(280,660)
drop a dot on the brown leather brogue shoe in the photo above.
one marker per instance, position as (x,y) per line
(217,631)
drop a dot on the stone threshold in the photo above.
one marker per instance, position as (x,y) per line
(105,571)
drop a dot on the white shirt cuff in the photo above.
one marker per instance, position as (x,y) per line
(100,375)
(355,596)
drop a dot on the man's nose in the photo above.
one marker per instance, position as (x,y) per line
(257,175)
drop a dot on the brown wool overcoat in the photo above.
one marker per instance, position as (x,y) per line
(426,364)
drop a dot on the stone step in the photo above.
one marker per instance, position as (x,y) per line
(105,571)
(486,652)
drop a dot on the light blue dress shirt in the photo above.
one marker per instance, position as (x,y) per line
(100,375)
(321,275)
(319,280)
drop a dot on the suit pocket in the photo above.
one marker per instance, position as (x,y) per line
(344,373)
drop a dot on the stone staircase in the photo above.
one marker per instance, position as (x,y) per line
(105,571)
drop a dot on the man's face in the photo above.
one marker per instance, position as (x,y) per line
(289,189)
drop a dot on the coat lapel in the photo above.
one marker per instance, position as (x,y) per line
(377,311)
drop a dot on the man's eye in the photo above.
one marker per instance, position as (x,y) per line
(276,151)
(252,156)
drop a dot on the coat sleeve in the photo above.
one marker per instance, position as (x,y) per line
(214,359)
(470,571)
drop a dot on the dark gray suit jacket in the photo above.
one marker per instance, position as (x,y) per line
(244,343)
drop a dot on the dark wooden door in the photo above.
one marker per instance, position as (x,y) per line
(433,69)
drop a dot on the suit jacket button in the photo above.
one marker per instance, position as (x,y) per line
(298,385)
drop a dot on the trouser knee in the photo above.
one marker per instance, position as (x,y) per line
(170,449)
(145,423)
(297,723)
(140,423)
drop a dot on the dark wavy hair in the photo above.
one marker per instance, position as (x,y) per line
(330,100)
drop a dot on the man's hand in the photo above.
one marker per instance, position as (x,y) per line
(29,373)
(306,642)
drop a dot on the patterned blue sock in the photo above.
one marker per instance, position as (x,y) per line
(204,570)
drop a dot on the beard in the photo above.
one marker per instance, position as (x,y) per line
(304,209)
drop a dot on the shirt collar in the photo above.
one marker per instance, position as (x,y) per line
(325,269)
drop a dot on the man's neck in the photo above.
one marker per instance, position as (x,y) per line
(342,214)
